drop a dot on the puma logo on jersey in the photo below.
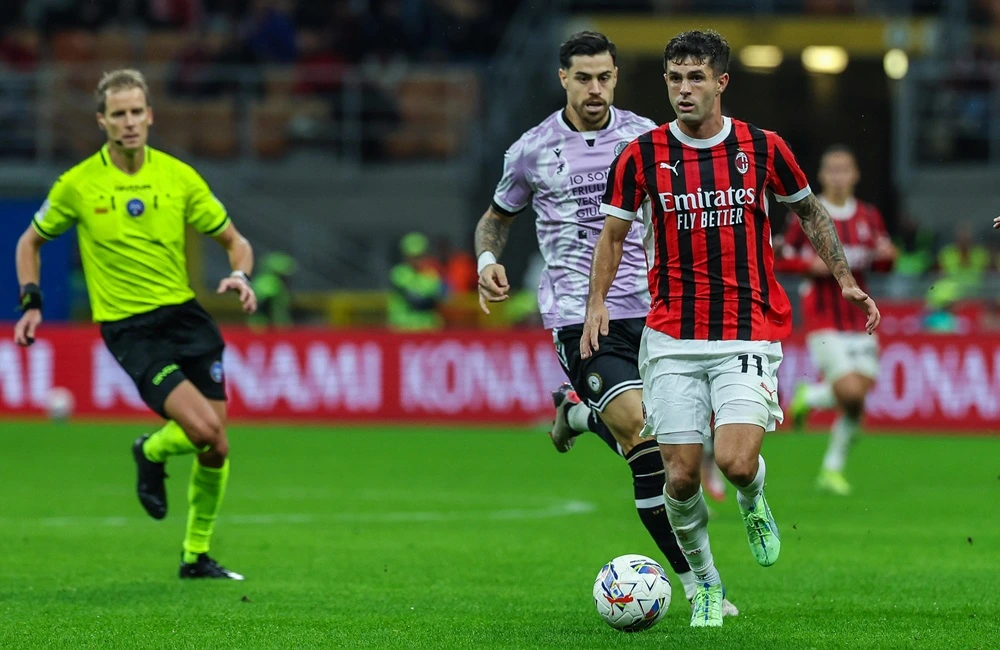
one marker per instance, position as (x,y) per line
(672,168)
(770,393)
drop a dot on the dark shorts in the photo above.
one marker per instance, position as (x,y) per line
(162,348)
(612,370)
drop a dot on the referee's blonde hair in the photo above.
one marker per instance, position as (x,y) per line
(121,79)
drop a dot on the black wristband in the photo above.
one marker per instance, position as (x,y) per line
(31,297)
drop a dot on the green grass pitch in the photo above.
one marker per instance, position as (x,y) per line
(448,538)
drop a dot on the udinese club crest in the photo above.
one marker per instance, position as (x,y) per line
(742,162)
(620,147)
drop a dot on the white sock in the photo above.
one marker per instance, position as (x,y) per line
(747,494)
(840,440)
(689,519)
(820,396)
(577,417)
(689,582)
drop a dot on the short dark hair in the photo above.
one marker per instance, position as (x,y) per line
(838,148)
(702,46)
(585,43)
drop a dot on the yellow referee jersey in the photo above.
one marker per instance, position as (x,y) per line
(131,229)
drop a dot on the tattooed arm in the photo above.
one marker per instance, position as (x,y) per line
(819,228)
(491,238)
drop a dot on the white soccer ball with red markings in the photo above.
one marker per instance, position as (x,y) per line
(632,593)
(60,403)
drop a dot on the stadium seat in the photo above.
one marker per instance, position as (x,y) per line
(270,121)
(216,129)
(174,123)
(114,49)
(436,110)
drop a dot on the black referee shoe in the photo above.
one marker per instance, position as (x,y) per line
(206,567)
(149,485)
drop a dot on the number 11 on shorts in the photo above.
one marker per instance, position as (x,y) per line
(745,358)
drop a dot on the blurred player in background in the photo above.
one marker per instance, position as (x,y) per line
(131,204)
(838,344)
(560,167)
(711,344)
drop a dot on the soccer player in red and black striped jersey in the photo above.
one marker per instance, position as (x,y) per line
(847,358)
(712,339)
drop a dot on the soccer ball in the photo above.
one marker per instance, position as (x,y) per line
(632,593)
(60,403)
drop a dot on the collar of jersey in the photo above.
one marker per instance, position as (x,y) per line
(566,124)
(840,212)
(106,152)
(698,143)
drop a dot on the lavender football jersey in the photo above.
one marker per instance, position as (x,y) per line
(553,167)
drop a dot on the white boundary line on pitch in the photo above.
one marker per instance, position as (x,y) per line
(564,509)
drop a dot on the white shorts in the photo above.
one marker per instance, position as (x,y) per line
(837,354)
(685,381)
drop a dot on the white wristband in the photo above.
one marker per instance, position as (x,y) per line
(241,275)
(485,260)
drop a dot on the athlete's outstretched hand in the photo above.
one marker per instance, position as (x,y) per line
(493,285)
(247,297)
(865,302)
(595,325)
(24,331)
(996,223)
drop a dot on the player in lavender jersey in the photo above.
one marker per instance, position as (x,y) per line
(560,168)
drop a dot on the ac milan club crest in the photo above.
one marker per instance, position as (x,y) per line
(742,162)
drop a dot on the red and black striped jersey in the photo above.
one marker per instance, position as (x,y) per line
(708,236)
(861,229)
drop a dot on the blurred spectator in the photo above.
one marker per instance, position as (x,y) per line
(522,308)
(193,73)
(416,288)
(456,266)
(183,14)
(915,248)
(271,284)
(15,53)
(940,316)
(320,68)
(466,28)
(270,31)
(49,15)
(392,31)
(963,262)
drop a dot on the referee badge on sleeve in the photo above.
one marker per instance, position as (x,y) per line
(216,372)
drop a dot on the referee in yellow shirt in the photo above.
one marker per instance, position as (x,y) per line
(130,204)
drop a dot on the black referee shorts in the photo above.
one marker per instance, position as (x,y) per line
(612,370)
(163,347)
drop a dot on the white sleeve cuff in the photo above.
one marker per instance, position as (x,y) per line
(798,196)
(612,211)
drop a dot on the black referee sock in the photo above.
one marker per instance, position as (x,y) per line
(596,424)
(648,478)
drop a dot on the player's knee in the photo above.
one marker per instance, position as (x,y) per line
(207,432)
(682,481)
(854,406)
(628,429)
(220,450)
(738,469)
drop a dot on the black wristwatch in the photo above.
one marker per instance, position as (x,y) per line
(31,297)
